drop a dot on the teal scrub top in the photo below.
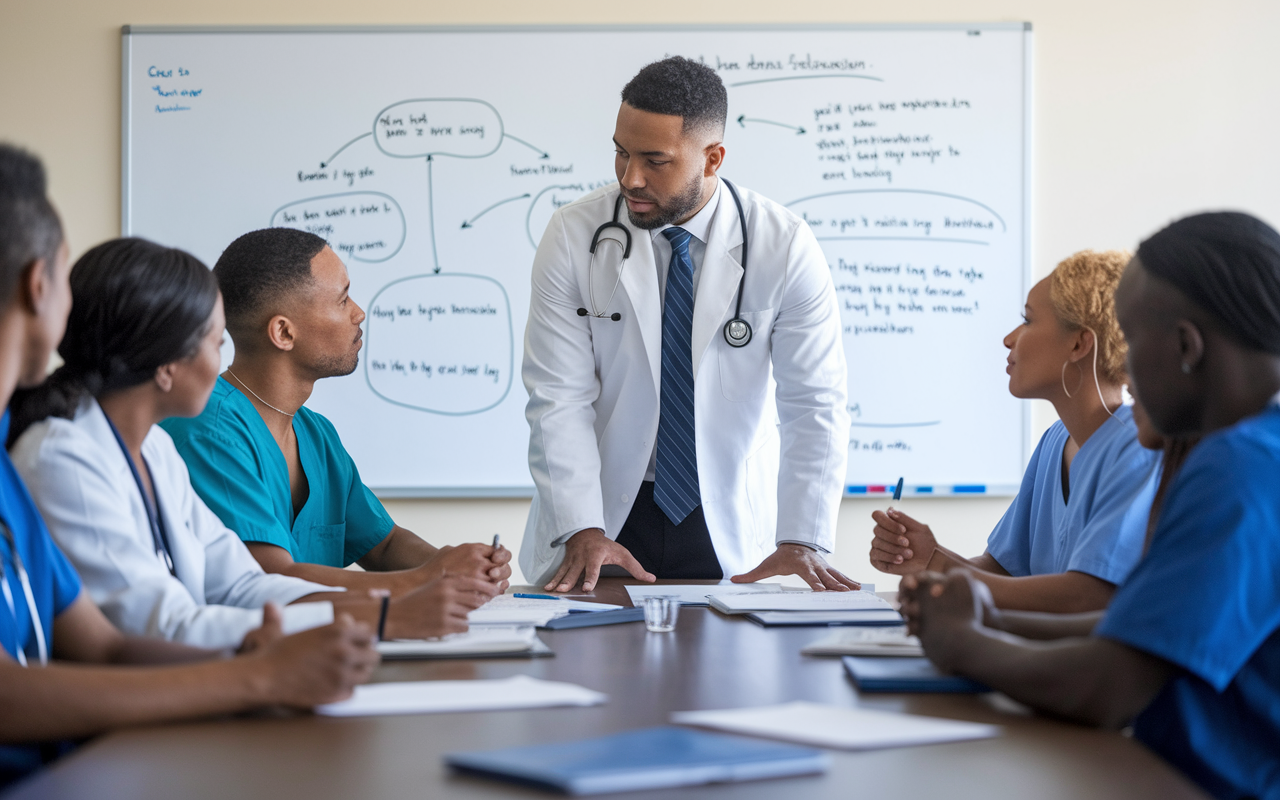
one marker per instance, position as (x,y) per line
(238,470)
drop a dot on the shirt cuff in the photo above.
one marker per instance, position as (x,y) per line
(305,616)
(824,551)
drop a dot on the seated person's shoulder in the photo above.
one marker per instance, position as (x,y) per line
(224,419)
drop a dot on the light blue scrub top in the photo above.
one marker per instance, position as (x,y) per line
(54,585)
(1207,599)
(1102,528)
(238,470)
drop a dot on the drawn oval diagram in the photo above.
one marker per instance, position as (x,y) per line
(900,214)
(544,205)
(438,127)
(359,226)
(441,343)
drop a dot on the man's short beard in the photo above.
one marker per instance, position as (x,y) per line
(338,366)
(681,206)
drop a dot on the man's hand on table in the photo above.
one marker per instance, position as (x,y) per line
(796,559)
(584,554)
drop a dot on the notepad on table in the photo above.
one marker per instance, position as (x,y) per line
(484,641)
(507,609)
(696,594)
(833,726)
(818,619)
(443,697)
(906,675)
(876,642)
(798,601)
(651,758)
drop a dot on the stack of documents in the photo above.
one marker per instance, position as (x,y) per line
(435,697)
(509,610)
(809,608)
(905,675)
(484,641)
(698,594)
(652,758)
(833,726)
(866,642)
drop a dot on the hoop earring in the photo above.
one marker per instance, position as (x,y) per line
(1064,380)
(1186,368)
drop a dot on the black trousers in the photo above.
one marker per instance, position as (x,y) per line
(669,551)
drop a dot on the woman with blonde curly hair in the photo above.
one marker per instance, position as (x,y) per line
(1078,523)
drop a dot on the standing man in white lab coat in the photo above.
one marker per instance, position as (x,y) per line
(686,421)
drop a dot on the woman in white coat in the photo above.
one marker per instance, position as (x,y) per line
(142,344)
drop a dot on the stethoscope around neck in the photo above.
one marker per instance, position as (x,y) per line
(42,647)
(737,331)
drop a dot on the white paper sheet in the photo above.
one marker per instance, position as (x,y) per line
(836,727)
(799,601)
(696,594)
(436,697)
(479,641)
(866,642)
(507,609)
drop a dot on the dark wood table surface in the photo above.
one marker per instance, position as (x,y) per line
(710,661)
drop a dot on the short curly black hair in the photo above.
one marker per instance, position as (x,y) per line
(680,87)
(257,270)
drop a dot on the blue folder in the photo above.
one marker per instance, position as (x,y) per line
(652,758)
(896,674)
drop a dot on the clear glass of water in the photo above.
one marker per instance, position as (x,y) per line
(660,613)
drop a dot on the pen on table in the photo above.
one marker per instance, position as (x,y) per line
(385,596)
(536,596)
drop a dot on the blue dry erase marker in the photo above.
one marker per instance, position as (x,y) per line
(897,492)
(495,541)
(536,596)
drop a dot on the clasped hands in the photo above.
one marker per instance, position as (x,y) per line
(588,550)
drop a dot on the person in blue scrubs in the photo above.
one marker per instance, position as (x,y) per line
(1189,649)
(1078,523)
(275,471)
(45,618)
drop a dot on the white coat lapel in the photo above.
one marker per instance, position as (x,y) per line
(718,282)
(640,280)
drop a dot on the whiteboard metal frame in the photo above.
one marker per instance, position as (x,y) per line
(442,492)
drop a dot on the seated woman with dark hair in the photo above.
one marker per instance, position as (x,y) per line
(1189,649)
(1077,525)
(142,344)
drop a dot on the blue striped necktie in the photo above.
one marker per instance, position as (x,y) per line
(675,486)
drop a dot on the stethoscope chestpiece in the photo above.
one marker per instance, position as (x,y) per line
(737,332)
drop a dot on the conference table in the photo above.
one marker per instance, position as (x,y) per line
(710,661)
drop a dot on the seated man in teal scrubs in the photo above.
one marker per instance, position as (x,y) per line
(275,471)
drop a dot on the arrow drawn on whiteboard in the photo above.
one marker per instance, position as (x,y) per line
(744,119)
(544,153)
(329,160)
(470,222)
(431,217)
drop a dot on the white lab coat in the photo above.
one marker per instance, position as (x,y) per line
(80,481)
(780,401)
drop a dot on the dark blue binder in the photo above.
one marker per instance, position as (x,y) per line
(897,674)
(588,619)
(652,758)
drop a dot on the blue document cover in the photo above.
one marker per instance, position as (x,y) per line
(587,619)
(893,674)
(652,758)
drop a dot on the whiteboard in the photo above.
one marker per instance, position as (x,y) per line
(431,160)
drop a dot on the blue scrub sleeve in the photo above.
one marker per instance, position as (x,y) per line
(1111,542)
(368,522)
(226,476)
(1206,595)
(66,582)
(1010,541)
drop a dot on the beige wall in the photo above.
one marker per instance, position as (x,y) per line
(1144,111)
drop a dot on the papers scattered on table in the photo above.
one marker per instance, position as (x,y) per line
(832,726)
(798,601)
(481,641)
(866,642)
(435,697)
(508,610)
(651,758)
(696,594)
(821,619)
